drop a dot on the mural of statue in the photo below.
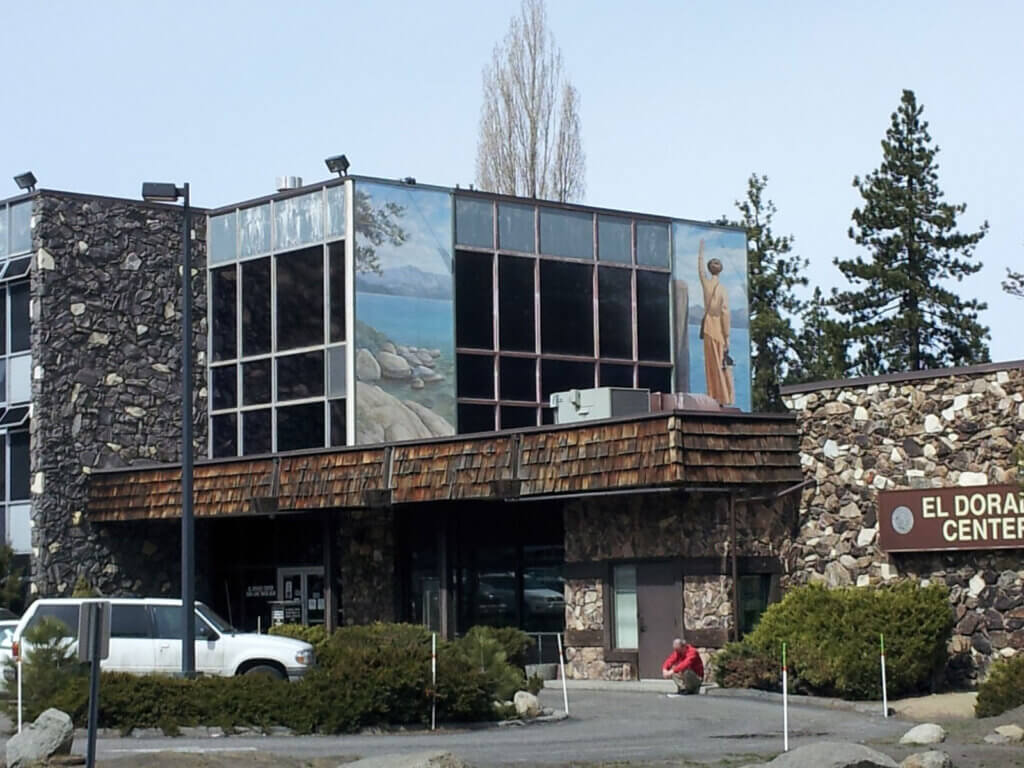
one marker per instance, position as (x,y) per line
(714,330)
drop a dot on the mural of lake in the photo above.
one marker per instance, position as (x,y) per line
(409,320)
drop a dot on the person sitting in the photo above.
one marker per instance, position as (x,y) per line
(684,667)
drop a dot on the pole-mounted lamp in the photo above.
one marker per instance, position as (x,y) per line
(170,193)
(337,164)
(26,181)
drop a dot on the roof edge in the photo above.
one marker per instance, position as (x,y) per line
(888,378)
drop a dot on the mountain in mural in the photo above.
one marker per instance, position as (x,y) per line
(406,280)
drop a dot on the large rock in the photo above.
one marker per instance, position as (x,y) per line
(385,418)
(930,759)
(367,367)
(411,760)
(526,704)
(393,366)
(438,425)
(51,734)
(830,754)
(924,734)
(1012,732)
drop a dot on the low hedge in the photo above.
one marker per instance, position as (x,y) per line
(832,637)
(1003,689)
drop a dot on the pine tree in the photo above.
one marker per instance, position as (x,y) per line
(1014,283)
(899,314)
(822,349)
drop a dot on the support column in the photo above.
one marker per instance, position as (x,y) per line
(330,578)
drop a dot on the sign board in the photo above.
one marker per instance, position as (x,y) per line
(978,517)
(91,613)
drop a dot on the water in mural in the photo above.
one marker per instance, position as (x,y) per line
(405,339)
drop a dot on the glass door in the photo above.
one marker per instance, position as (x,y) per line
(301,593)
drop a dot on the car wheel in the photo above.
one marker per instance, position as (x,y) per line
(264,670)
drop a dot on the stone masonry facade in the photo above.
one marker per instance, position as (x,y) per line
(943,429)
(106,355)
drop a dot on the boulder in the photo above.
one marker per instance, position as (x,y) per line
(1013,733)
(931,759)
(393,366)
(924,734)
(830,754)
(383,417)
(51,734)
(367,367)
(526,704)
(416,383)
(387,346)
(438,425)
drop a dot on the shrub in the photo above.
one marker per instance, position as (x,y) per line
(514,642)
(1003,689)
(832,636)
(482,651)
(315,635)
(48,670)
(739,666)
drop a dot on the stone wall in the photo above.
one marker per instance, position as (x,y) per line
(943,431)
(106,389)
(367,550)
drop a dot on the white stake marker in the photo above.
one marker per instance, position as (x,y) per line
(561,664)
(785,703)
(433,677)
(885,695)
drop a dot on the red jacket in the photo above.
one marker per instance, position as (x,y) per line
(685,658)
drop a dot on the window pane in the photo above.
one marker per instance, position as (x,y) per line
(300,376)
(474,300)
(4,214)
(615,311)
(515,417)
(339,420)
(130,621)
(21,228)
(255,432)
(300,426)
(336,267)
(567,233)
(474,222)
(19,464)
(626,634)
(652,328)
(67,615)
(654,379)
(475,376)
(517,377)
(225,435)
(298,221)
(221,238)
(336,372)
(167,622)
(256,307)
(475,418)
(19,530)
(225,386)
(300,298)
(3,470)
(515,227)
(254,231)
(336,211)
(616,375)
(224,323)
(3,380)
(652,244)
(256,382)
(3,322)
(19,378)
(566,308)
(516,303)
(563,375)
(20,337)
(614,239)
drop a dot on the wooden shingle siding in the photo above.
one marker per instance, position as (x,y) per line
(675,448)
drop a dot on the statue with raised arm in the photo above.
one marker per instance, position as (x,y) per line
(714,330)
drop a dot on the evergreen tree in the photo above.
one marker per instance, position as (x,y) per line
(898,313)
(1014,283)
(773,276)
(822,349)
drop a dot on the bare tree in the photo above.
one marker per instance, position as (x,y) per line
(529,122)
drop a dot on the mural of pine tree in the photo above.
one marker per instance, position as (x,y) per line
(900,312)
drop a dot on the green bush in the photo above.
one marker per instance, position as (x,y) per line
(514,642)
(832,637)
(48,671)
(482,650)
(315,635)
(1003,689)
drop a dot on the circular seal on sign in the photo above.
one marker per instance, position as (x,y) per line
(902,519)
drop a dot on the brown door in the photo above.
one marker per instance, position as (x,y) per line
(659,594)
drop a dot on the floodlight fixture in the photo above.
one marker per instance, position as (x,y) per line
(161,192)
(26,181)
(409,180)
(337,164)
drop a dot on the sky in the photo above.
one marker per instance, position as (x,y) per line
(680,103)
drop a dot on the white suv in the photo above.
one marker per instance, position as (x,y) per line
(145,637)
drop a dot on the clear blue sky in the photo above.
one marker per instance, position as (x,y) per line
(680,102)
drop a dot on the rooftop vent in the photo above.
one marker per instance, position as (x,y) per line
(285,183)
(601,403)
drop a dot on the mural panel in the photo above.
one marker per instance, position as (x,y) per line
(712,319)
(405,331)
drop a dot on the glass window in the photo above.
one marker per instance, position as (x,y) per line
(517,379)
(563,375)
(475,418)
(300,376)
(474,222)
(225,434)
(130,621)
(19,528)
(17,268)
(336,281)
(21,227)
(4,214)
(336,211)
(19,378)
(19,443)
(336,372)
(224,321)
(656,379)
(615,375)
(167,621)
(567,233)
(3,379)
(20,323)
(256,307)
(224,386)
(614,239)
(615,312)
(255,432)
(221,238)
(652,244)
(754,591)
(474,300)
(516,303)
(254,231)
(14,417)
(256,382)
(543,590)
(475,376)
(652,325)
(3,469)
(566,308)
(300,298)
(300,426)
(299,221)
(517,417)
(515,227)
(626,624)
(3,324)
(339,422)
(64,614)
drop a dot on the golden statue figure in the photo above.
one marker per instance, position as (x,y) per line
(714,330)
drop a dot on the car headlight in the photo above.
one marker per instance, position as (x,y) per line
(305,657)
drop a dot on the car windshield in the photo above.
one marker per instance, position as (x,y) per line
(216,621)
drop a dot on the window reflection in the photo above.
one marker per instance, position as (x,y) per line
(298,221)
(254,230)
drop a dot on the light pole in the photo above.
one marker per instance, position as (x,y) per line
(169,193)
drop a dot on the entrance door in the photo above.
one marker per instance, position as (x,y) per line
(659,613)
(302,591)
